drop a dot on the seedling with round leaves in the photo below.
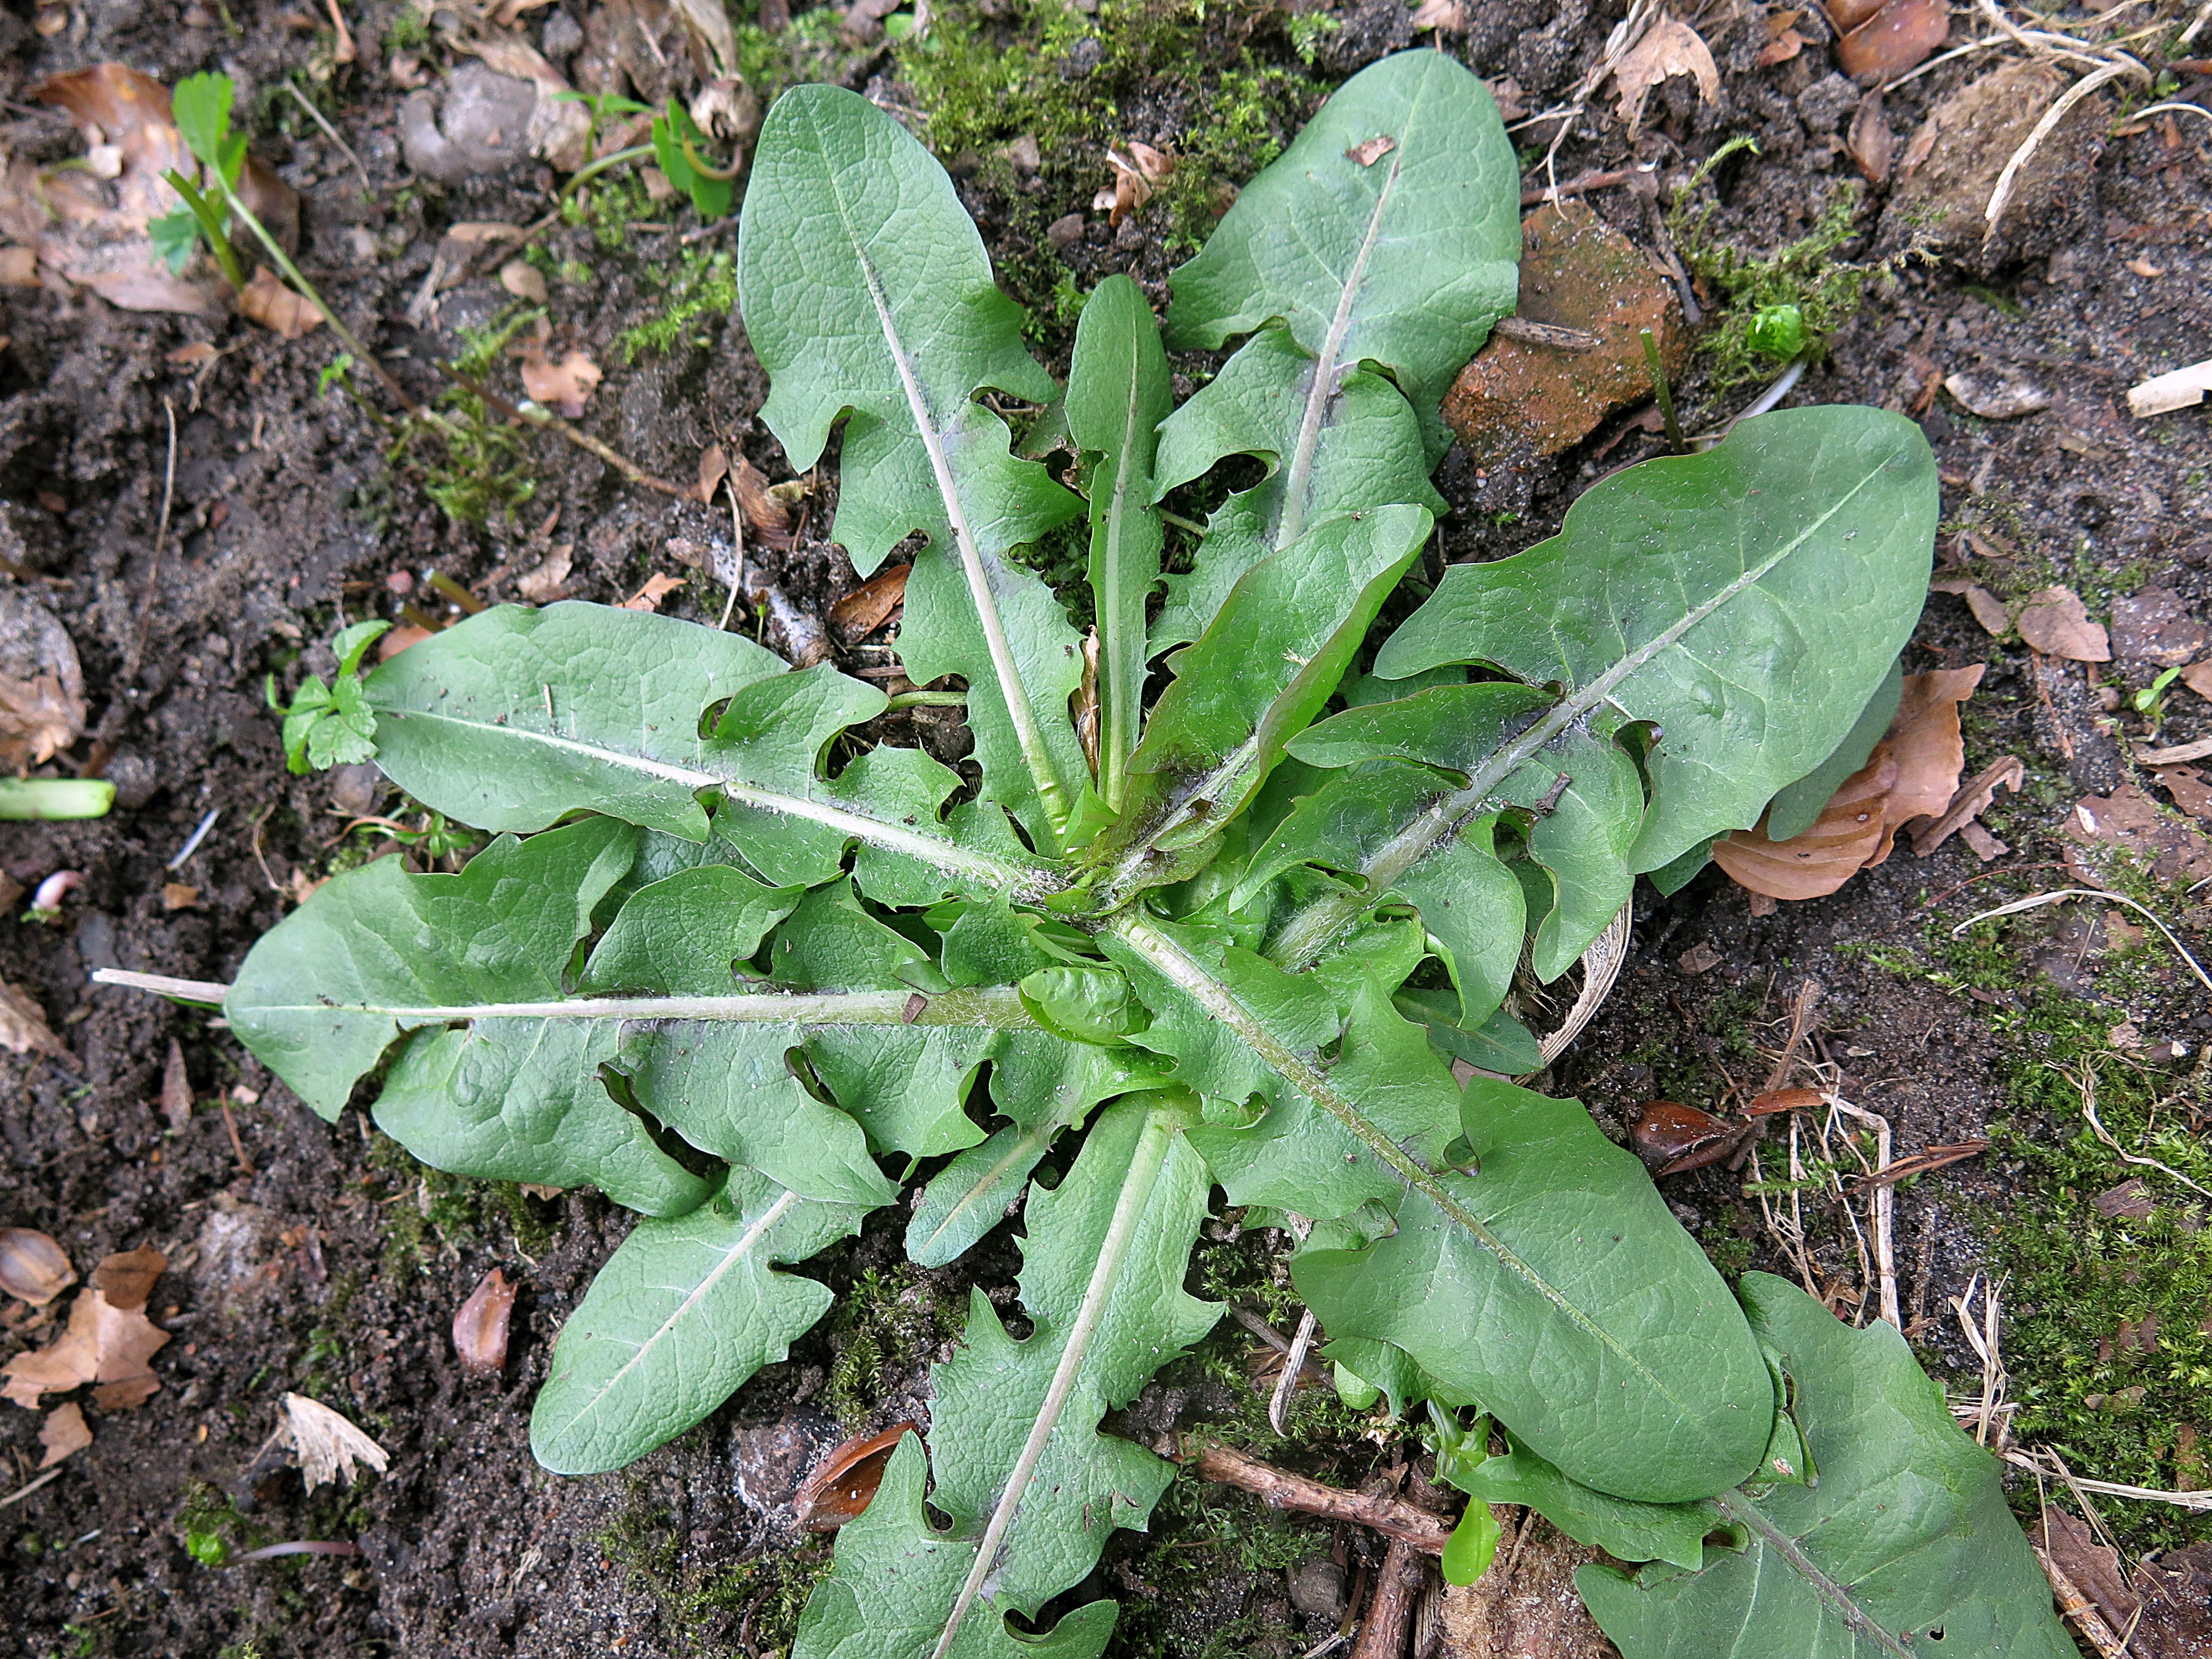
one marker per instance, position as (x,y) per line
(1232,957)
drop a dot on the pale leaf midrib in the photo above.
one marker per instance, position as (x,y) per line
(935,851)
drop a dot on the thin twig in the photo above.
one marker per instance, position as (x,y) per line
(1390,1613)
(236,1145)
(24,1491)
(2032,1460)
(2034,901)
(329,132)
(2078,1608)
(2086,1081)
(160,537)
(1391,1516)
(2001,197)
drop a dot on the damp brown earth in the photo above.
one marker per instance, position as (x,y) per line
(317,1258)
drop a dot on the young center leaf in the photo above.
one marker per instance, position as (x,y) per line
(1388,234)
(1904,1547)
(1118,393)
(865,291)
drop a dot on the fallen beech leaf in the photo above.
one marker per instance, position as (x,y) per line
(2055,622)
(329,1447)
(2093,1569)
(563,386)
(64,1432)
(1699,958)
(523,281)
(657,587)
(1818,861)
(126,1279)
(102,1344)
(32,1268)
(1912,773)
(1902,34)
(1782,40)
(2189,792)
(1871,142)
(2131,820)
(1668,48)
(267,301)
(1924,737)
(176,1089)
(1989,611)
(543,585)
(845,1483)
(38,720)
(858,614)
(714,467)
(1971,800)
(2130,1201)
(765,516)
(480,1325)
(1133,179)
(23,1026)
(1844,15)
(1674,1140)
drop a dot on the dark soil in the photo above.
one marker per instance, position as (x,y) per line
(319,1258)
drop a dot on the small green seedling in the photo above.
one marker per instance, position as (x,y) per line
(328,726)
(1778,332)
(678,145)
(1229,888)
(2150,701)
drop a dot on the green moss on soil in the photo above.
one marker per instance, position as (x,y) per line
(2108,1318)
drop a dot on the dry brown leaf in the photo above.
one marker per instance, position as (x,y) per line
(1989,611)
(1819,861)
(2190,791)
(564,385)
(1668,48)
(1913,773)
(714,467)
(657,587)
(1901,33)
(543,585)
(1672,1139)
(766,514)
(180,895)
(480,1325)
(176,1089)
(2198,677)
(1871,142)
(1924,737)
(846,1482)
(860,613)
(102,1344)
(2131,820)
(1440,15)
(1996,397)
(1782,40)
(1372,150)
(23,1026)
(329,1446)
(98,236)
(1971,800)
(523,281)
(2154,625)
(64,1432)
(32,1268)
(2095,1569)
(1844,15)
(39,719)
(267,301)
(396,641)
(2055,622)
(126,1279)
(18,267)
